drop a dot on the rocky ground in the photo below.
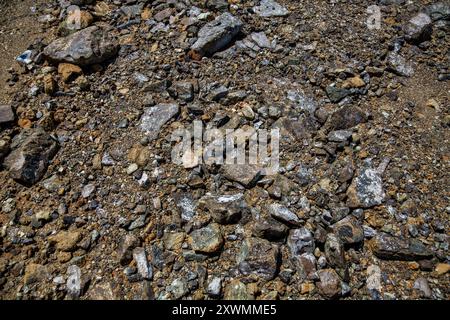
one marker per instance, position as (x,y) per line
(92,207)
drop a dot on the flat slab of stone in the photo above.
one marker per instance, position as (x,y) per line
(154,118)
(88,46)
(6,114)
(217,34)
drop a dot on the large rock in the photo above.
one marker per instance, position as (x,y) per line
(215,35)
(259,257)
(366,189)
(347,117)
(6,114)
(283,214)
(330,285)
(349,230)
(154,118)
(388,247)
(399,65)
(208,239)
(269,228)
(334,251)
(245,174)
(224,209)
(418,28)
(88,46)
(270,8)
(31,153)
(300,241)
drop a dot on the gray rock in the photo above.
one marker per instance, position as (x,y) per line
(389,247)
(439,11)
(87,190)
(306,266)
(6,114)
(283,214)
(215,35)
(373,281)
(245,174)
(154,118)
(236,290)
(178,288)
(336,94)
(31,153)
(224,209)
(88,46)
(208,239)
(418,28)
(300,241)
(214,287)
(259,257)
(186,206)
(339,135)
(270,8)
(422,285)
(330,285)
(73,283)
(334,251)
(399,65)
(145,270)
(183,90)
(261,40)
(366,189)
(349,230)
(126,247)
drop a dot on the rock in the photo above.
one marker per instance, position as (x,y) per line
(215,35)
(260,38)
(269,228)
(330,284)
(214,287)
(236,290)
(69,72)
(186,205)
(31,153)
(87,190)
(178,288)
(339,135)
(270,8)
(224,209)
(34,273)
(245,174)
(373,281)
(354,82)
(366,189)
(283,214)
(4,149)
(334,251)
(349,230)
(207,240)
(74,284)
(88,46)
(144,269)
(6,114)
(66,240)
(399,65)
(154,118)
(442,268)
(102,291)
(388,247)
(306,265)
(183,90)
(336,94)
(174,240)
(259,257)
(418,28)
(439,11)
(126,247)
(346,118)
(76,20)
(300,241)
(422,285)
(49,84)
